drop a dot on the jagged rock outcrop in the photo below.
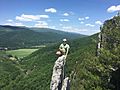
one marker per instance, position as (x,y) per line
(109,35)
(58,82)
(66,84)
(108,49)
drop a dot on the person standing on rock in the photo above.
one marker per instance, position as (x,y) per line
(64,48)
(58,76)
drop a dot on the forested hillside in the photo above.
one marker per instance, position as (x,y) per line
(98,71)
(20,37)
(87,69)
(37,67)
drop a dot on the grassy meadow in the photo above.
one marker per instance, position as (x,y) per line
(21,52)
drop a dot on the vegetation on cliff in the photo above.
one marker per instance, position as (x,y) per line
(86,70)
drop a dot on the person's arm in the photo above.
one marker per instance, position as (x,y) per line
(67,50)
(60,47)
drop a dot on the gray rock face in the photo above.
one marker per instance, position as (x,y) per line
(66,84)
(57,76)
(58,82)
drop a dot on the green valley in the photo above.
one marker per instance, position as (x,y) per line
(21,52)
(86,69)
(14,37)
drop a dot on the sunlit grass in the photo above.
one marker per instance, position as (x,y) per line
(21,52)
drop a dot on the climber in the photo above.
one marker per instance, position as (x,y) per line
(64,48)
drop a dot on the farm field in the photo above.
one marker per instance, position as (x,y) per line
(21,52)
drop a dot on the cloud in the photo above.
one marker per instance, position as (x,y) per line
(89,25)
(113,8)
(64,20)
(52,27)
(51,10)
(98,22)
(41,24)
(8,24)
(81,30)
(73,29)
(67,27)
(14,24)
(66,14)
(9,20)
(87,17)
(43,16)
(81,19)
(24,17)
(81,22)
(19,24)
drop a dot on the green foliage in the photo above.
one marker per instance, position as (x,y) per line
(37,68)
(110,53)
(86,71)
(8,71)
(21,37)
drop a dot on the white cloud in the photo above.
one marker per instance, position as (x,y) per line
(113,8)
(19,24)
(8,24)
(9,20)
(24,17)
(51,10)
(83,30)
(81,22)
(67,27)
(14,24)
(81,19)
(73,29)
(89,25)
(43,16)
(52,27)
(98,22)
(64,20)
(41,24)
(66,14)
(87,17)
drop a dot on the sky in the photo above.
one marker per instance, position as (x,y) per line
(79,16)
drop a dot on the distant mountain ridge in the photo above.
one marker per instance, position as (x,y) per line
(13,36)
